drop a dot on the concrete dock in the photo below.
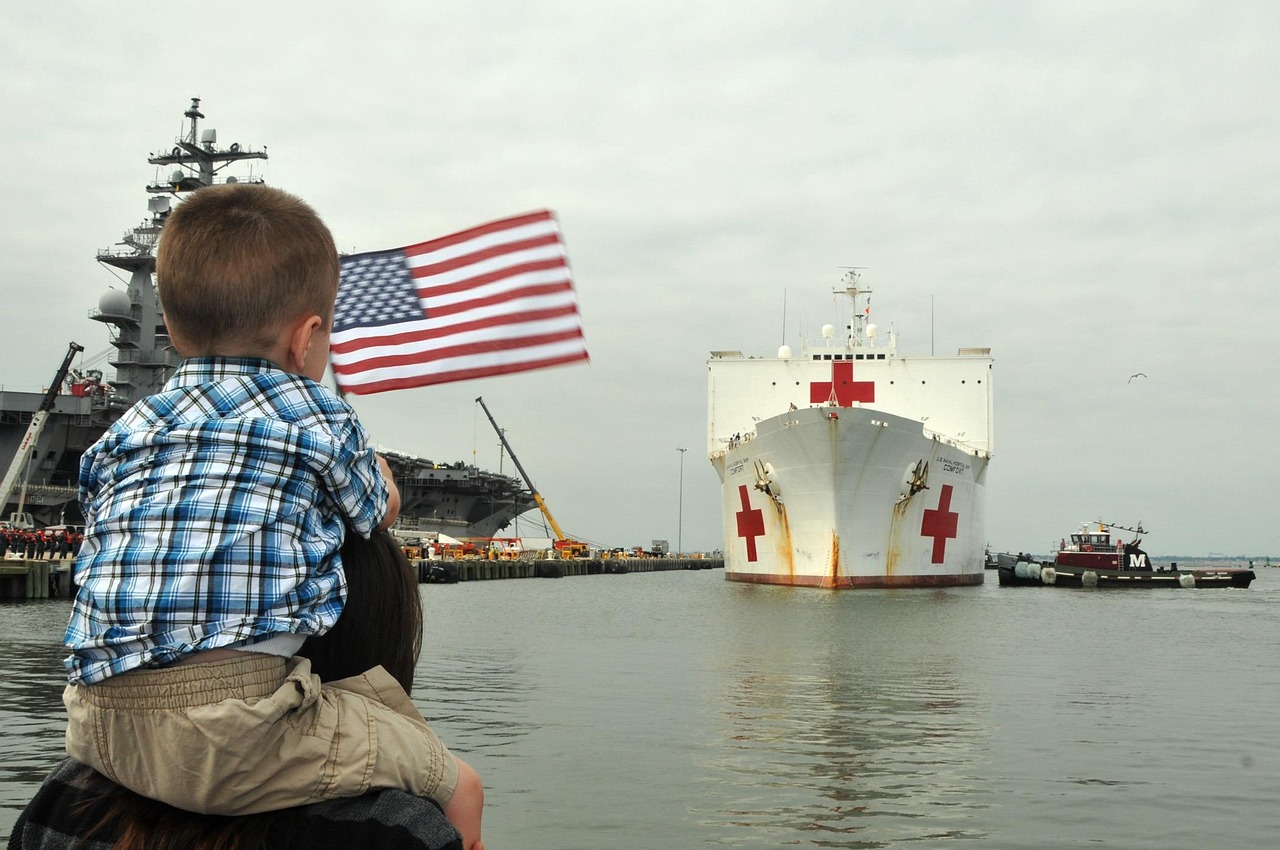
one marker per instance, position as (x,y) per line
(448,571)
(34,579)
(51,579)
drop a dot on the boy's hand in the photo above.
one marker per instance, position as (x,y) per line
(393,495)
(465,806)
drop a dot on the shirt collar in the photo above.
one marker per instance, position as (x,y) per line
(202,370)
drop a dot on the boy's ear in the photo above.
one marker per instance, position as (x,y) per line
(302,345)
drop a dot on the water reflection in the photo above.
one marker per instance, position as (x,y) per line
(31,712)
(678,710)
(863,743)
(476,703)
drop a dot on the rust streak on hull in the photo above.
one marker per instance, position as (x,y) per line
(835,560)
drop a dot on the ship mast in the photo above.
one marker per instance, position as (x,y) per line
(144,357)
(860,306)
(199,157)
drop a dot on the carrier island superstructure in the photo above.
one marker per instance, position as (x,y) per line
(457,499)
(849,465)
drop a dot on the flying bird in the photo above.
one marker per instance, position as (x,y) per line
(1137,375)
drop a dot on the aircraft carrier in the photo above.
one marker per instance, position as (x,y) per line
(457,499)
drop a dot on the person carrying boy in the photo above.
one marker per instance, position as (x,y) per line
(214,514)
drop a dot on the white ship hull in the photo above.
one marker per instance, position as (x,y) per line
(847,465)
(823,497)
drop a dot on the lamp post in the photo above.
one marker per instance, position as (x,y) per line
(680,523)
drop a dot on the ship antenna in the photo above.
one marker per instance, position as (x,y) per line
(784,316)
(853,289)
(194,114)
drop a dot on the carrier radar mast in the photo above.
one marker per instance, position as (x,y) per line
(144,357)
(199,157)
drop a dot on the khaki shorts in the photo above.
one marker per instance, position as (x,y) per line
(255,734)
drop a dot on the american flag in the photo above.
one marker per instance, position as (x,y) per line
(491,300)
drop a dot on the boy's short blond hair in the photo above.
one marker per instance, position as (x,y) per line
(239,261)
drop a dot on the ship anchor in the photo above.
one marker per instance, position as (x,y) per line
(765,483)
(916,479)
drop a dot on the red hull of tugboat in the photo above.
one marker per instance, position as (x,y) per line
(1091,559)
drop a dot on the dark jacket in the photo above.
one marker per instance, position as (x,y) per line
(56,818)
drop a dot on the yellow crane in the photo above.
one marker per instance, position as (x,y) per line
(565,546)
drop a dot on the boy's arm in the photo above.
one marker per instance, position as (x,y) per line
(393,495)
(466,806)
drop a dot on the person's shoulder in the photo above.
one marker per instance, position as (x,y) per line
(67,803)
(299,395)
(386,818)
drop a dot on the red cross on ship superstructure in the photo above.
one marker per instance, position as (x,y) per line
(750,522)
(940,524)
(842,387)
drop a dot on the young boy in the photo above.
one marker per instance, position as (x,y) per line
(215,510)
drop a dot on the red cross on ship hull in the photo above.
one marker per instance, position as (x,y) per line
(750,522)
(941,524)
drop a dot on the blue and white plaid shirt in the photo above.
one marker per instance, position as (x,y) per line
(215,509)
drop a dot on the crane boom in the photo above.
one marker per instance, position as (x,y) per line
(537,497)
(38,420)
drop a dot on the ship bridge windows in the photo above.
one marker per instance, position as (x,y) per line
(849,356)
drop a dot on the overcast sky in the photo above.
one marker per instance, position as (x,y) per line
(1090,189)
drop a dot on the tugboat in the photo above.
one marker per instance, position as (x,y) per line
(1090,558)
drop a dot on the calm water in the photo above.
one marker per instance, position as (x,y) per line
(676,710)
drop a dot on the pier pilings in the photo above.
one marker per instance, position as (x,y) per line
(29,578)
(449,571)
(47,579)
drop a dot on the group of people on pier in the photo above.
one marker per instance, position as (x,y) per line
(39,543)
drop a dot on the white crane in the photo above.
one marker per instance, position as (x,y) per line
(38,421)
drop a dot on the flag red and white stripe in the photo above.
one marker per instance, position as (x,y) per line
(491,300)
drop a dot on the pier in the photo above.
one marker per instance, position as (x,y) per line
(29,578)
(449,571)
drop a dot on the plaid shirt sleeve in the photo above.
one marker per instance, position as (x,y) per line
(352,477)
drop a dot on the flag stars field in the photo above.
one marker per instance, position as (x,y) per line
(491,300)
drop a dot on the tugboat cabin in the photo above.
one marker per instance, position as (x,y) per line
(1092,541)
(1095,549)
